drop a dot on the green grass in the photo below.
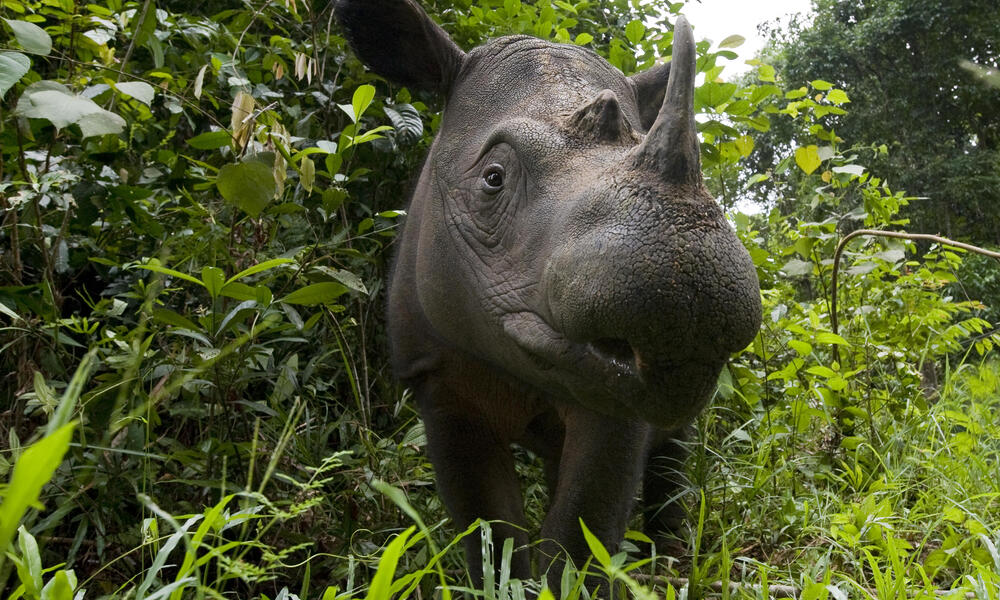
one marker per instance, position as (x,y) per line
(915,516)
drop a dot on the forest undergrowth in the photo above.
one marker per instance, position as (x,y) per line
(197,207)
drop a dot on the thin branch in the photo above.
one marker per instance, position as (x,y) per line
(142,14)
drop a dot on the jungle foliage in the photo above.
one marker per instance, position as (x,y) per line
(197,209)
(911,68)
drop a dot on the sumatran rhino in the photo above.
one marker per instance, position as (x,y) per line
(564,280)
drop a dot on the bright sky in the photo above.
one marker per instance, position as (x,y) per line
(718,19)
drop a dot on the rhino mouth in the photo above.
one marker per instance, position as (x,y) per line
(611,376)
(604,358)
(619,353)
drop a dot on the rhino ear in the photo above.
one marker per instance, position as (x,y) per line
(397,40)
(650,86)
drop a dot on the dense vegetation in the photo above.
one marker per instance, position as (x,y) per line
(197,206)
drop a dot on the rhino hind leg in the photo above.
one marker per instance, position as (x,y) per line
(475,477)
(663,483)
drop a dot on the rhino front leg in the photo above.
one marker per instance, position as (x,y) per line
(599,472)
(475,476)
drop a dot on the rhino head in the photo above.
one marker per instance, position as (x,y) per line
(560,229)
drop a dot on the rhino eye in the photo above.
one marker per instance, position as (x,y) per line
(493,179)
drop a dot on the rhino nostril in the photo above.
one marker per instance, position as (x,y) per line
(617,351)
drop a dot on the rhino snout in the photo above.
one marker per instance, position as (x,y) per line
(657,304)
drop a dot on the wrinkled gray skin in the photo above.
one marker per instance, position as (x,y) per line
(564,280)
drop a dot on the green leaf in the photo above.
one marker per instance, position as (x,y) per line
(362,99)
(822,371)
(214,279)
(247,185)
(70,397)
(347,278)
(55,102)
(807,157)
(29,567)
(796,267)
(144,25)
(838,97)
(713,94)
(826,337)
(158,268)
(60,587)
(635,31)
(140,90)
(259,267)
(31,37)
(239,291)
(802,348)
(316,293)
(199,81)
(821,85)
(13,66)
(733,41)
(796,93)
(371,134)
(398,497)
(33,469)
(583,39)
(857,170)
(307,173)
(101,123)
(237,311)
(210,140)
(596,547)
(169,317)
(744,144)
(638,536)
(765,73)
(382,582)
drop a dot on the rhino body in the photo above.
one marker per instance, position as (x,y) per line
(564,281)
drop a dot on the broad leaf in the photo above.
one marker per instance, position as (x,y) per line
(363,97)
(316,293)
(213,278)
(635,31)
(596,547)
(13,66)
(140,90)
(34,468)
(199,81)
(247,185)
(406,121)
(838,97)
(307,173)
(101,123)
(807,157)
(210,140)
(713,94)
(158,268)
(31,37)
(55,102)
(733,41)
(382,581)
(264,266)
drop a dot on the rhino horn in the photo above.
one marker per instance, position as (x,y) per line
(671,147)
(601,120)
